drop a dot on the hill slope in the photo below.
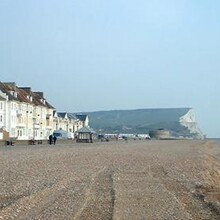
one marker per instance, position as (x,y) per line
(180,121)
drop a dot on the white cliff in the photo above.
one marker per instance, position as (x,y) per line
(189,121)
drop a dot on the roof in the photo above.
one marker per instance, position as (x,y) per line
(72,116)
(1,98)
(61,114)
(86,130)
(24,94)
(7,88)
(39,100)
(81,117)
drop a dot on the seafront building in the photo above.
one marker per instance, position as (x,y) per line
(27,115)
(68,121)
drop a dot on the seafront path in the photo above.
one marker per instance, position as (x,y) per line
(111,180)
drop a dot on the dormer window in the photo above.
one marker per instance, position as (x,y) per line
(27,96)
(31,98)
(43,101)
(15,94)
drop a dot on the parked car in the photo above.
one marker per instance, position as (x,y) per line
(102,137)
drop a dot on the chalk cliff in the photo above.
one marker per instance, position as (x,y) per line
(180,122)
(189,121)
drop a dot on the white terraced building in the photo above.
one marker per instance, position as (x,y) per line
(27,115)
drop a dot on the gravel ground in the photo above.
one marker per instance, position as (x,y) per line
(111,180)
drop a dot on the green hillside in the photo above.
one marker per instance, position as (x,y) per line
(138,121)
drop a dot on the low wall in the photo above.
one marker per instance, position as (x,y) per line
(28,142)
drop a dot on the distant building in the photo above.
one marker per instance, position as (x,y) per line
(23,113)
(86,135)
(27,115)
(160,134)
(66,121)
(3,104)
(84,119)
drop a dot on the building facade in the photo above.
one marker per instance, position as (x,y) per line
(27,115)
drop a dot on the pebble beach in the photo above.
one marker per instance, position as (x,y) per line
(142,179)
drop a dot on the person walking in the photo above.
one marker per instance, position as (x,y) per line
(54,140)
(50,139)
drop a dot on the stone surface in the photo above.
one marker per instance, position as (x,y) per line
(111,180)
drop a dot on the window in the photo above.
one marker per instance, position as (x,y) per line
(19,133)
(1,105)
(1,118)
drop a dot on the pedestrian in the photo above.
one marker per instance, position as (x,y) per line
(50,139)
(54,140)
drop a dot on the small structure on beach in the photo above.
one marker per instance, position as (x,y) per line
(160,134)
(86,135)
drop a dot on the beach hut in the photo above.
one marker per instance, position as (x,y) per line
(86,135)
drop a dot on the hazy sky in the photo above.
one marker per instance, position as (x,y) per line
(89,55)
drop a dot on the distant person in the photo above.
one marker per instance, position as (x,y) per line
(50,139)
(54,140)
(90,137)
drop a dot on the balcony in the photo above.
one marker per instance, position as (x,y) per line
(36,126)
(21,125)
(19,113)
